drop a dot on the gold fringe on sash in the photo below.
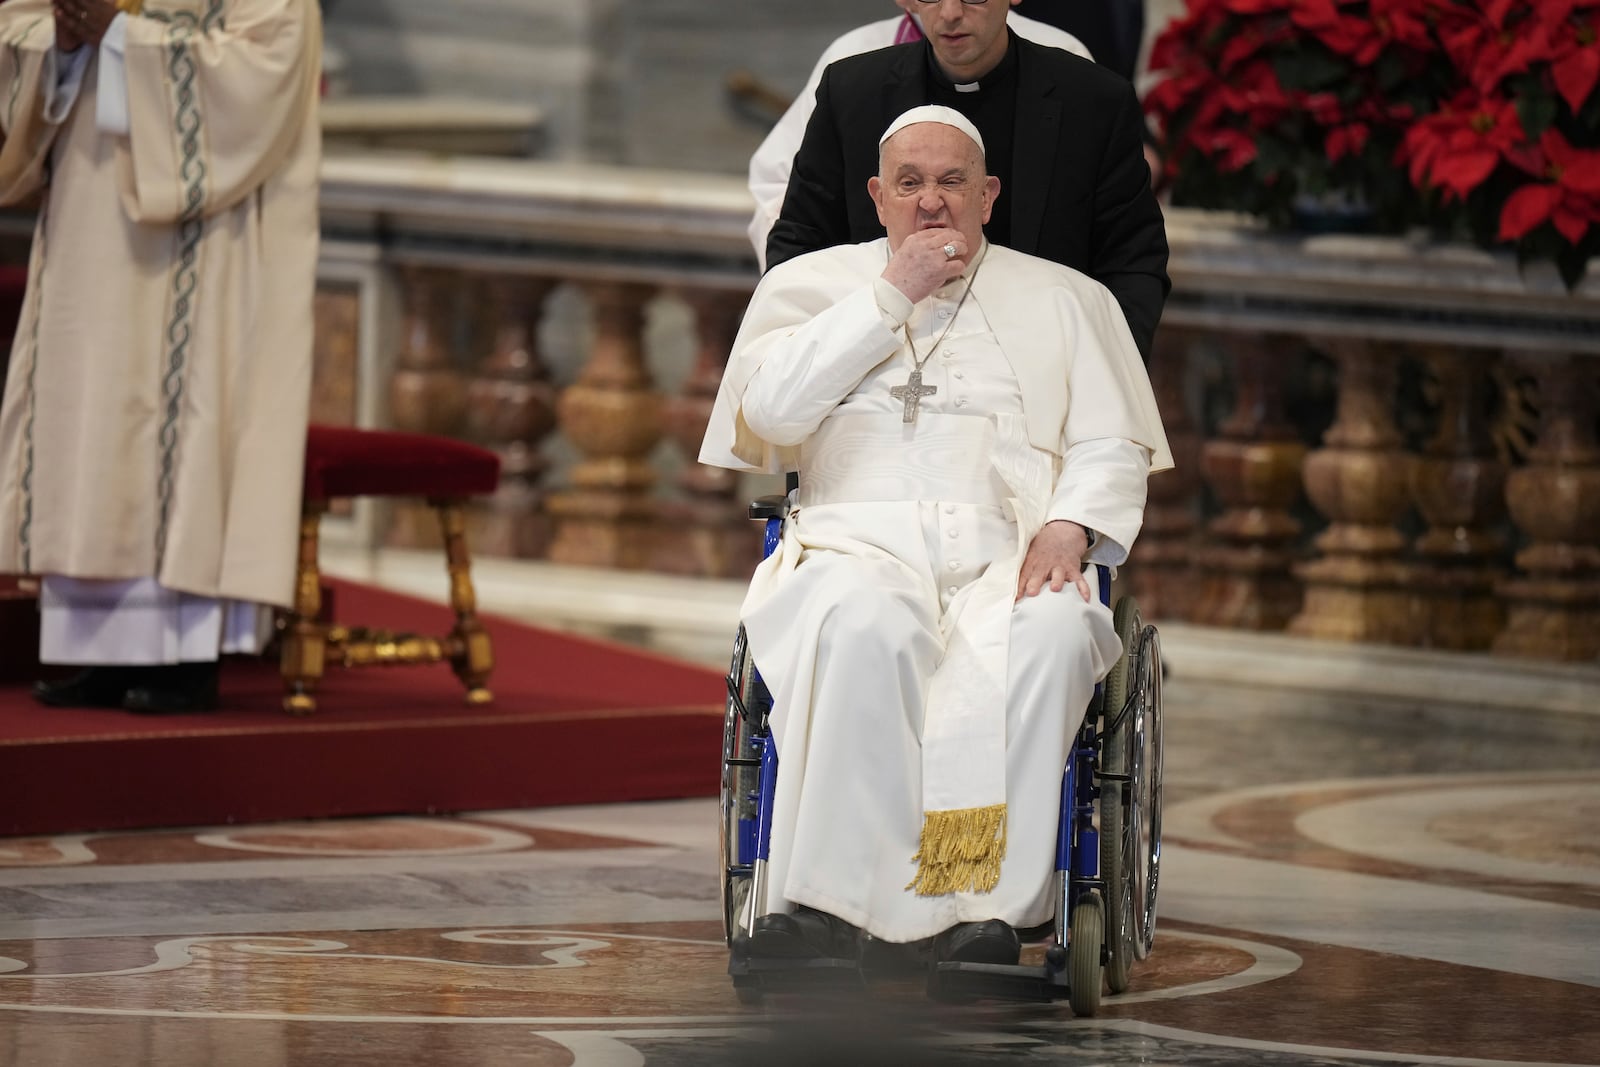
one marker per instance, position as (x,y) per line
(960,851)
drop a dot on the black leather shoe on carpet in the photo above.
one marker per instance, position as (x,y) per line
(179,689)
(806,934)
(990,941)
(97,687)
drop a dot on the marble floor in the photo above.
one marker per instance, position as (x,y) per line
(1353,873)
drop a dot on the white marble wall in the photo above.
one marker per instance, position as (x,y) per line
(640,82)
(543,52)
(629,81)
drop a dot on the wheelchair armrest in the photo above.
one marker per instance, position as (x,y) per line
(775,506)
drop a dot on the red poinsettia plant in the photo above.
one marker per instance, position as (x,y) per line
(1477,118)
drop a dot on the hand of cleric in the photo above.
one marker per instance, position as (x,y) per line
(1055,557)
(81,22)
(919,265)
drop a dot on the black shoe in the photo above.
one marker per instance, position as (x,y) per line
(180,689)
(807,934)
(97,687)
(990,941)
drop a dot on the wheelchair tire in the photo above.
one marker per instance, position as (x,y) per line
(1084,955)
(1116,799)
(1144,857)
(746,715)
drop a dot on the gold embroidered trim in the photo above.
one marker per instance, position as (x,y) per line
(960,851)
(131,7)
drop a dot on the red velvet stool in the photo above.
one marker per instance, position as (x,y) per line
(345,462)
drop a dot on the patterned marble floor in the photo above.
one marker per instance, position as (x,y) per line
(1345,881)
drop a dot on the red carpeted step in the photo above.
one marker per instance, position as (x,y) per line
(574,721)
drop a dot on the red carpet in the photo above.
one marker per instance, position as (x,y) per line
(574,721)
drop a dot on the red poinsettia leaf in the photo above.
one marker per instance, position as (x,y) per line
(1569,223)
(1580,171)
(1554,144)
(1531,45)
(1345,141)
(1462,172)
(1553,12)
(1575,75)
(1336,145)
(1530,159)
(1168,47)
(1239,48)
(1324,107)
(1527,209)
(1496,10)
(1166,97)
(1235,150)
(1582,181)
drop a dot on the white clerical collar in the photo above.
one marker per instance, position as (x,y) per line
(969,87)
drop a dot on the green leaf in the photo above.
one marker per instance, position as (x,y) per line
(1389,73)
(1312,70)
(1538,112)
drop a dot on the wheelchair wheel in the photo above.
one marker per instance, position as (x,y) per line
(1143,860)
(745,717)
(1084,955)
(1117,759)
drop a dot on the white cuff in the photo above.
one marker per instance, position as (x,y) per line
(894,305)
(111,101)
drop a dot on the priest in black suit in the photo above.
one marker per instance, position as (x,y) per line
(1063,137)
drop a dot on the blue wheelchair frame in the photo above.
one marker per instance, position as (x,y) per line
(1068,971)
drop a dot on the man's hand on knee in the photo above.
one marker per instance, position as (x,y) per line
(1055,557)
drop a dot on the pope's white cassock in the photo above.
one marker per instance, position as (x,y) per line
(915,704)
(155,409)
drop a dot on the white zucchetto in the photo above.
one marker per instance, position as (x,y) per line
(934,113)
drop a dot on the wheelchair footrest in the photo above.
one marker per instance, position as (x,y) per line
(793,973)
(1014,982)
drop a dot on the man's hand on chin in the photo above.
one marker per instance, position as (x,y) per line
(919,265)
(1055,558)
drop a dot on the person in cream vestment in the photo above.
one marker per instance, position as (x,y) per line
(970,425)
(154,419)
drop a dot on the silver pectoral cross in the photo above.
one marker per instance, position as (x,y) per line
(912,393)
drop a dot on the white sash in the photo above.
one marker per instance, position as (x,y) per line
(962,459)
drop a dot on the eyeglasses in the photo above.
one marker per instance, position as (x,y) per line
(969,3)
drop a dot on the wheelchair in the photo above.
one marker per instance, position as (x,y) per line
(1108,850)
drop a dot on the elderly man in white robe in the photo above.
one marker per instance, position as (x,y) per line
(971,426)
(153,427)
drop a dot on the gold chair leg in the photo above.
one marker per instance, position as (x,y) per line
(304,642)
(473,655)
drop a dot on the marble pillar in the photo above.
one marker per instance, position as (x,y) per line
(1252,466)
(1458,488)
(1359,479)
(612,415)
(1553,603)
(704,530)
(511,409)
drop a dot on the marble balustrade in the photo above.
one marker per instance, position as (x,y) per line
(1378,439)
